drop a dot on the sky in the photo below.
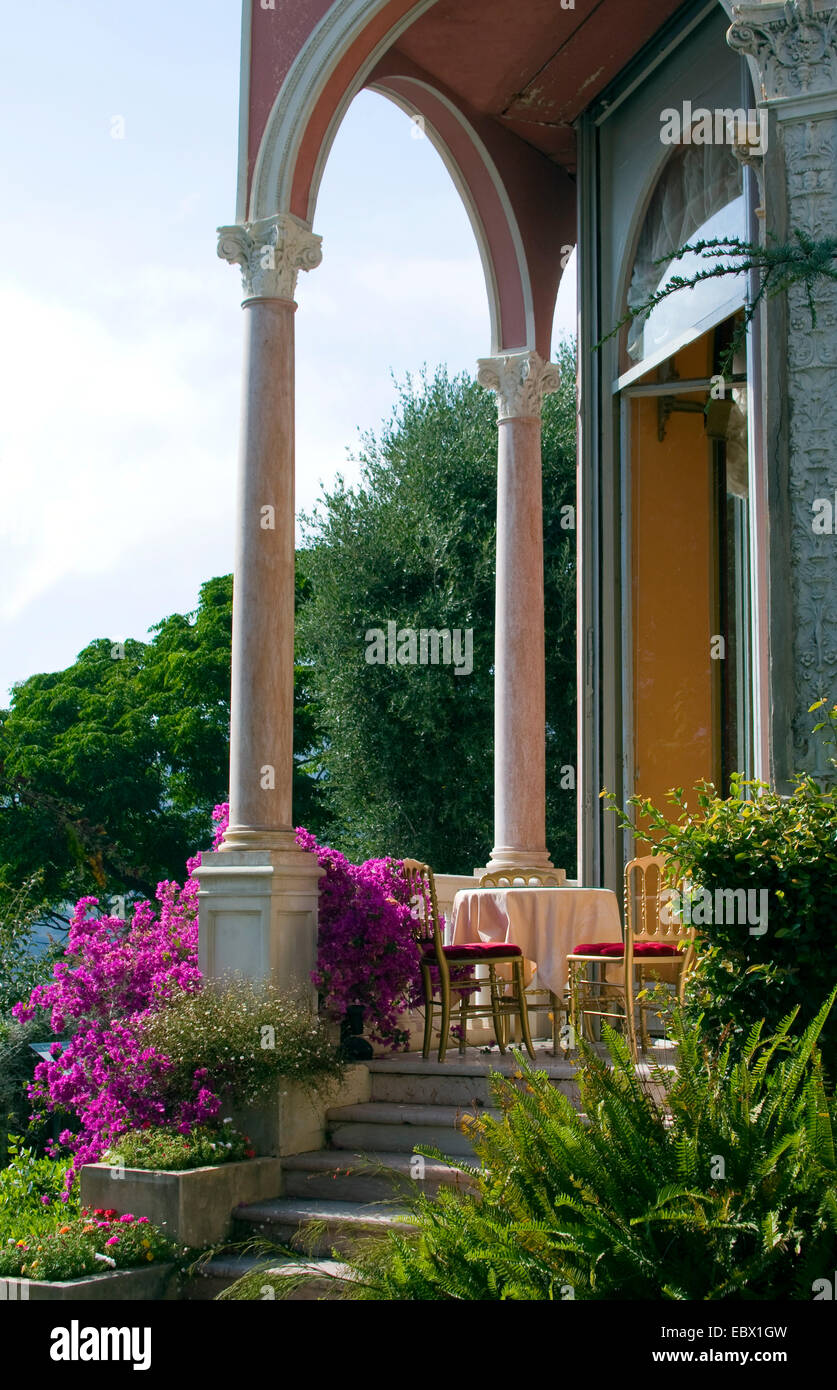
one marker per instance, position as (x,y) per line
(120,351)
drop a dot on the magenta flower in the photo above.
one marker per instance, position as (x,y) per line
(116,973)
(112,1240)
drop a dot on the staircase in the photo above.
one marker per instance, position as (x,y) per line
(357,1185)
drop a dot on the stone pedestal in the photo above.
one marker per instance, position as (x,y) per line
(258,916)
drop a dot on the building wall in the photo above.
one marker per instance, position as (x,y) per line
(621,158)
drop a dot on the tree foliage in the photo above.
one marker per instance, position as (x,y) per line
(109,770)
(806,261)
(408,753)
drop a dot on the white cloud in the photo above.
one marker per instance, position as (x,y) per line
(116,427)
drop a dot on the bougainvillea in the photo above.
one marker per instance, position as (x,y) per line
(366,954)
(366,951)
(117,973)
(114,974)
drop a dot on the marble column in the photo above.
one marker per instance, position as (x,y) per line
(792,48)
(258,893)
(520,381)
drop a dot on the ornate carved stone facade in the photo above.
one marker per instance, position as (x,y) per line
(521,380)
(794,44)
(795,47)
(271,253)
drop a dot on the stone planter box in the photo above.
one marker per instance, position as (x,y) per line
(294,1122)
(144,1283)
(194,1207)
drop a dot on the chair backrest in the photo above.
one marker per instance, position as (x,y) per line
(421,886)
(649,909)
(524,878)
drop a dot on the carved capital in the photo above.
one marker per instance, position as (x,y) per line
(521,380)
(794,45)
(271,253)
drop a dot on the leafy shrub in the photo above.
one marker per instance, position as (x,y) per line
(172,1152)
(21,909)
(759,841)
(716,1183)
(91,1243)
(17,1066)
(236,1039)
(32,1200)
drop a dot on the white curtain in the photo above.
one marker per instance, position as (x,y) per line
(696,183)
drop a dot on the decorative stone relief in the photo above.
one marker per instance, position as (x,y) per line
(811,180)
(796,48)
(520,380)
(271,253)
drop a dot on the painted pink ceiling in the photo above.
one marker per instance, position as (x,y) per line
(533,66)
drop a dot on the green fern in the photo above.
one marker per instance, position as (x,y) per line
(621,1202)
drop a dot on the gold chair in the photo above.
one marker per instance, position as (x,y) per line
(524,878)
(462,979)
(657,945)
(534,878)
(654,947)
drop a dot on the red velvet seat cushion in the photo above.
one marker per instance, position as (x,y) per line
(612,950)
(599,948)
(477,950)
(655,948)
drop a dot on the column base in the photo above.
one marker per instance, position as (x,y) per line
(506,858)
(245,837)
(258,916)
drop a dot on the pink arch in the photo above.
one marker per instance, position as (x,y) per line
(515,324)
(523,205)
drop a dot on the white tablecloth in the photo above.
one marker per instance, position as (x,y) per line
(546,923)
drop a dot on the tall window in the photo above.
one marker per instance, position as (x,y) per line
(698,197)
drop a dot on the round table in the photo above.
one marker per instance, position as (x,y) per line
(546,923)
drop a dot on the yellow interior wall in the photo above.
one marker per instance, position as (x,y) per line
(676,682)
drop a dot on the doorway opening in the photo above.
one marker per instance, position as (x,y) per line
(687,619)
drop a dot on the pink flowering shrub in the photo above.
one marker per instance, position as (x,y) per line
(366,953)
(117,974)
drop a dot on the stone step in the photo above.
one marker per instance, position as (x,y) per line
(339,1225)
(336,1175)
(392,1128)
(410,1087)
(219,1273)
(385,1112)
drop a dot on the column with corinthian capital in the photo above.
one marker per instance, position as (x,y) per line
(793,49)
(520,380)
(258,893)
